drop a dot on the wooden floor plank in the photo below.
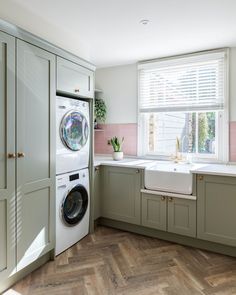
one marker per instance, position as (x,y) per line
(113,262)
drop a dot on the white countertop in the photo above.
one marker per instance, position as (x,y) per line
(217,169)
(134,162)
(126,162)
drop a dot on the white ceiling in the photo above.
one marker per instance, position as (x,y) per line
(107,32)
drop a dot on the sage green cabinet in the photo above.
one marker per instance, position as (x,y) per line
(74,79)
(97,193)
(35,175)
(120,194)
(154,211)
(216,209)
(175,215)
(182,216)
(7,155)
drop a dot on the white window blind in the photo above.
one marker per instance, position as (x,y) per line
(183,84)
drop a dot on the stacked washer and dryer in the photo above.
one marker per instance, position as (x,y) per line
(72,180)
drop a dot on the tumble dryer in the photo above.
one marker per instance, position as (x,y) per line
(72,132)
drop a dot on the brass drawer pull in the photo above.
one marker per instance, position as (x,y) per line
(11,156)
(137,171)
(20,155)
(77,90)
(163,198)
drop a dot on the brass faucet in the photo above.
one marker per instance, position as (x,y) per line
(177,157)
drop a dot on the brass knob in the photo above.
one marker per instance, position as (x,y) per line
(170,199)
(20,155)
(77,90)
(11,156)
(200,177)
(163,198)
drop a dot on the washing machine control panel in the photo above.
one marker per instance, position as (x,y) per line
(74,177)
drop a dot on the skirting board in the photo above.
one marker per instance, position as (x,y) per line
(24,272)
(187,241)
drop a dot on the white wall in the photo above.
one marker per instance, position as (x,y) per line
(120,90)
(119,86)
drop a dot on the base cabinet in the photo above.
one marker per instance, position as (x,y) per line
(216,209)
(120,194)
(174,215)
(182,216)
(154,211)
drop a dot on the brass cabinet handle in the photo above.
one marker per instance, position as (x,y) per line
(200,177)
(77,90)
(96,169)
(170,199)
(137,171)
(11,156)
(20,155)
(163,198)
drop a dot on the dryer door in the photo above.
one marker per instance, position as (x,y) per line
(74,130)
(75,205)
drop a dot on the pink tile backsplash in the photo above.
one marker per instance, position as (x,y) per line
(128,131)
(232,141)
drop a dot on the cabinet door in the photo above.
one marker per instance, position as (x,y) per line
(97,201)
(182,216)
(154,211)
(73,78)
(121,194)
(36,152)
(216,209)
(7,147)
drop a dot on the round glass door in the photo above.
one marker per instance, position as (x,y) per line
(75,205)
(74,130)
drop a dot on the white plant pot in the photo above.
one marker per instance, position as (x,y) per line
(117,156)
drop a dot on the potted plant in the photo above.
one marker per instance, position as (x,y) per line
(117,145)
(100,111)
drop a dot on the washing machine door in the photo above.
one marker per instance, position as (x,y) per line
(74,130)
(75,205)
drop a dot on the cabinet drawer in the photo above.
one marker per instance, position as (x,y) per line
(182,216)
(73,78)
(154,211)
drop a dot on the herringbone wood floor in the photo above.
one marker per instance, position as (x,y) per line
(115,262)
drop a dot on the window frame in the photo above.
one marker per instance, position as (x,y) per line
(223,128)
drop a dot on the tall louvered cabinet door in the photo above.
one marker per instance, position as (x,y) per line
(7,156)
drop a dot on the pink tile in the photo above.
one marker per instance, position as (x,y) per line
(128,131)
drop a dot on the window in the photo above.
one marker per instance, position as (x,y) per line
(184,98)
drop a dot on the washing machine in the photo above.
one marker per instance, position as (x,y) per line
(72,208)
(72,132)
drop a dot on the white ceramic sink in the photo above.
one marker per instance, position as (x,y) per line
(170,177)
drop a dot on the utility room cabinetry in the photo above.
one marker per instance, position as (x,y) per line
(27,151)
(35,135)
(74,79)
(216,218)
(7,156)
(175,215)
(120,194)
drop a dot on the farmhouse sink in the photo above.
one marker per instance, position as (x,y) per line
(170,177)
